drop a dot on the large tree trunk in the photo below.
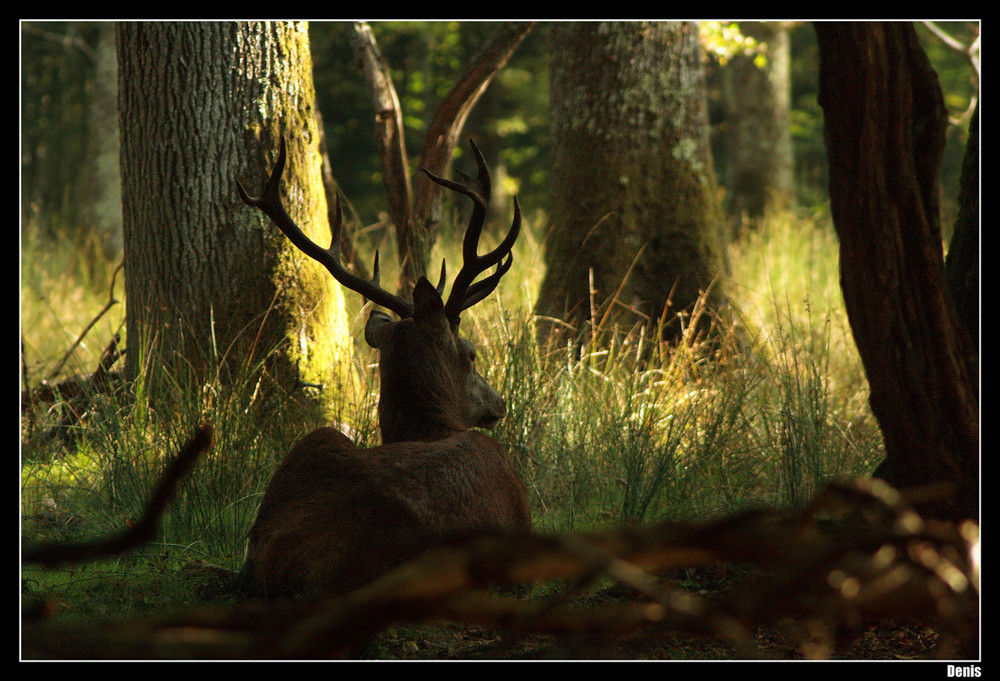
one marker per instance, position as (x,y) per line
(633,191)
(207,278)
(884,121)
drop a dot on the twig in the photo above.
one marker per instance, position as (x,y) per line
(144,530)
(107,306)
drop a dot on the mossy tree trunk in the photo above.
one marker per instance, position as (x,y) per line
(634,204)
(884,123)
(208,279)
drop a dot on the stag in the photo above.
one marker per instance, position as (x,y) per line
(335,516)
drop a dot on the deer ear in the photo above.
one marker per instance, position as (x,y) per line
(428,308)
(377,329)
(426,299)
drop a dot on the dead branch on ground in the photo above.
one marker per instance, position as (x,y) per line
(857,554)
(57,553)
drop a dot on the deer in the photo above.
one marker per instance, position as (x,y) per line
(335,516)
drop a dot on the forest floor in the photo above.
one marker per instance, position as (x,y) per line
(789,639)
(786,639)
(887,641)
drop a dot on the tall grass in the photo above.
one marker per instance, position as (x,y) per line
(64,284)
(774,410)
(602,436)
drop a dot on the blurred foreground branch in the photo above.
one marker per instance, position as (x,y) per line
(856,554)
(56,553)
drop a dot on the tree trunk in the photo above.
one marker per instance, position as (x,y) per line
(208,279)
(107,195)
(57,132)
(962,264)
(884,122)
(633,192)
(759,141)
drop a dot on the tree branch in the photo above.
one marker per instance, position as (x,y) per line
(416,215)
(449,118)
(388,126)
(53,554)
(856,554)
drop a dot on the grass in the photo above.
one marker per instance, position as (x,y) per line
(602,436)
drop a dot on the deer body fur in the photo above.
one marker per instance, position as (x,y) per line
(335,517)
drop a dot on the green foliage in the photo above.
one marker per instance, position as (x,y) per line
(722,40)
(602,436)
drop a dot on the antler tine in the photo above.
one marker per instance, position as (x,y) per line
(270,204)
(479,290)
(464,293)
(442,280)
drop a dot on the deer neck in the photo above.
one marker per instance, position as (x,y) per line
(402,422)
(415,412)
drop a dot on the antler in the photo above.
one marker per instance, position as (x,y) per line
(270,204)
(464,293)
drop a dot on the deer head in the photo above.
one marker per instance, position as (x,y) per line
(430,388)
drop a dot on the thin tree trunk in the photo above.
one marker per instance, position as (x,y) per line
(107,197)
(760,168)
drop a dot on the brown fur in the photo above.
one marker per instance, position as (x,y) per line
(335,516)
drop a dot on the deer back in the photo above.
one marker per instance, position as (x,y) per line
(335,517)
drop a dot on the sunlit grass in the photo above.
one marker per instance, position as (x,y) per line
(602,436)
(64,285)
(776,409)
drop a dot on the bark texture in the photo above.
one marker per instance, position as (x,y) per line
(208,279)
(884,122)
(634,206)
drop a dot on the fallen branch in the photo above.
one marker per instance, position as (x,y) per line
(855,555)
(53,554)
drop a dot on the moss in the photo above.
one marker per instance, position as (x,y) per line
(319,349)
